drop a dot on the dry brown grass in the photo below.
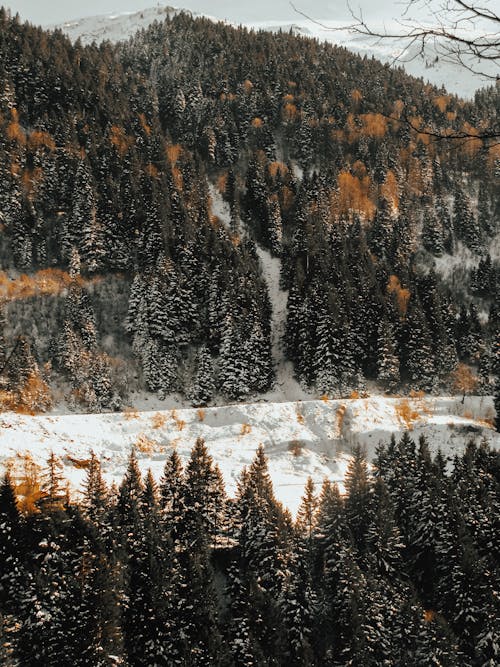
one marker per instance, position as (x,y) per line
(201,414)
(130,413)
(300,417)
(245,429)
(120,140)
(179,423)
(354,394)
(417,394)
(173,151)
(406,413)
(158,420)
(146,445)
(341,410)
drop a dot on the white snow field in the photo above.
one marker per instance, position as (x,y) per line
(329,21)
(301,438)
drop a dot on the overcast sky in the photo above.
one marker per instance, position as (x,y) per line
(46,12)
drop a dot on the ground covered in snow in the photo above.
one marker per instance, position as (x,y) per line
(301,438)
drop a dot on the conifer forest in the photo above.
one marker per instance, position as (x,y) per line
(400,570)
(121,277)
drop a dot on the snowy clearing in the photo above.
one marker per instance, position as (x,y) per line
(301,438)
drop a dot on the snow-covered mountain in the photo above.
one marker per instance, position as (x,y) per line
(428,64)
(112,27)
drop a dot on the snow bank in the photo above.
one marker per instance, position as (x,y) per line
(301,438)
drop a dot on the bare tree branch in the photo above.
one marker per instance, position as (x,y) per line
(448,28)
(461,32)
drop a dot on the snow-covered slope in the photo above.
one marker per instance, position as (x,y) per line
(302,438)
(428,63)
(281,16)
(113,27)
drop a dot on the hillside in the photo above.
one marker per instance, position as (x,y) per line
(191,223)
(428,65)
(301,439)
(249,350)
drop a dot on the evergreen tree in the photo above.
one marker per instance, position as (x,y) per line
(465,221)
(203,388)
(432,233)
(10,546)
(358,498)
(387,358)
(420,366)
(203,498)
(306,514)
(497,404)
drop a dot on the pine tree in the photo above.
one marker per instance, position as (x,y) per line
(57,623)
(130,495)
(105,585)
(436,644)
(465,221)
(387,357)
(306,514)
(10,546)
(195,533)
(381,230)
(432,233)
(84,228)
(275,226)
(204,496)
(420,366)
(172,494)
(96,495)
(21,363)
(242,643)
(234,366)
(257,532)
(203,388)
(54,493)
(385,546)
(358,498)
(296,606)
(152,597)
(497,404)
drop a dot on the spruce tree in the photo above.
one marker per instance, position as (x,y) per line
(10,546)
(465,221)
(387,357)
(358,498)
(203,388)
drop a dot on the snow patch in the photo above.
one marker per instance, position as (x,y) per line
(301,438)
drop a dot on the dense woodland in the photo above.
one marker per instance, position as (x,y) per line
(404,569)
(117,276)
